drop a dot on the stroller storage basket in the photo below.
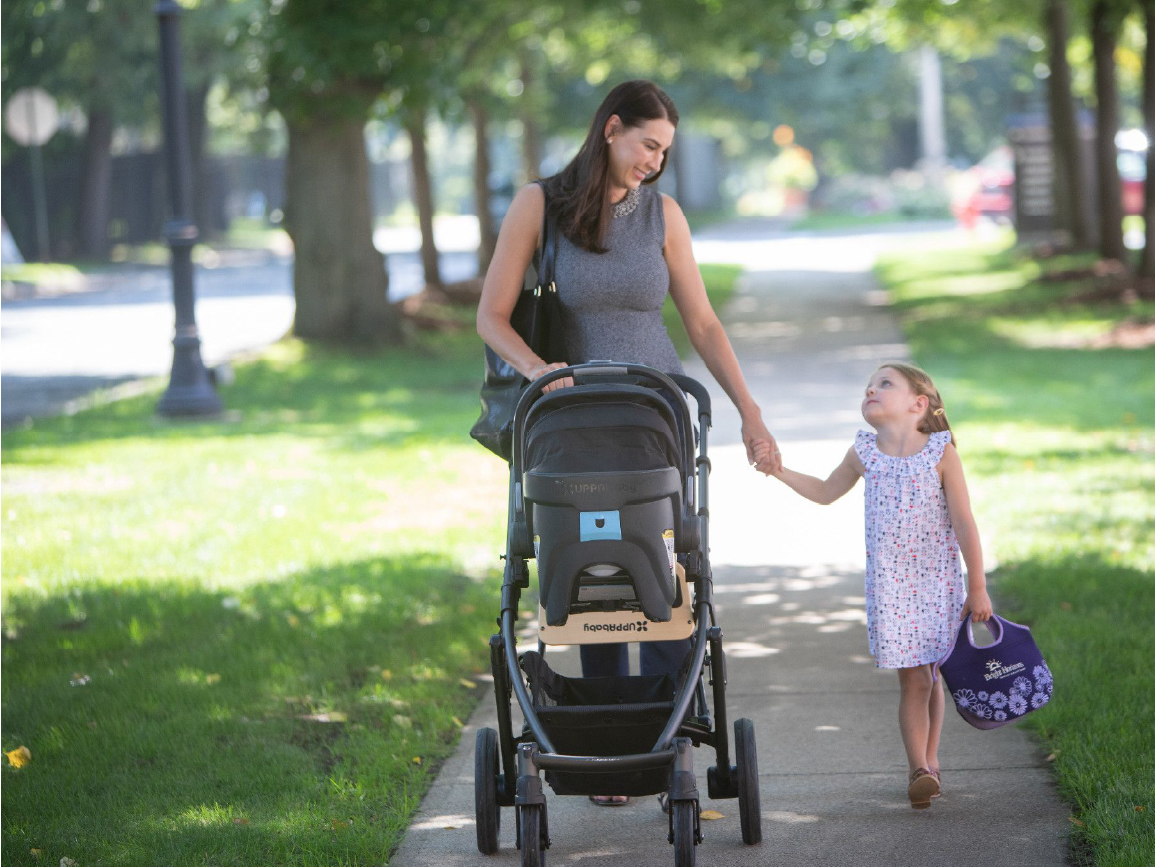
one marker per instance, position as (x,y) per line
(601,716)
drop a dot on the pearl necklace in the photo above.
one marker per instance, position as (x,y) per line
(627,205)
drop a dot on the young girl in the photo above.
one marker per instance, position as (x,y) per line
(918,518)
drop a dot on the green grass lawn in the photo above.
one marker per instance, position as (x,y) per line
(249,641)
(1058,440)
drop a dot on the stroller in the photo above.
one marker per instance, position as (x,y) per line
(605,493)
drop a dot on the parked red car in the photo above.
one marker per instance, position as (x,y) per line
(991,190)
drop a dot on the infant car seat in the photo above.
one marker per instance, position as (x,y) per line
(603,494)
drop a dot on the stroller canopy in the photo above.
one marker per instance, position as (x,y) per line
(602,430)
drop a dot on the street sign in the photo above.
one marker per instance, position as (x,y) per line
(31,116)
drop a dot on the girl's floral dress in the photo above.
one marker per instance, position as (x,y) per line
(914,584)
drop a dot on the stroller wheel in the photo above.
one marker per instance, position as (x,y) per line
(683,816)
(530,820)
(485,771)
(749,800)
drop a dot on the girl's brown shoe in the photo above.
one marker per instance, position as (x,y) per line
(923,786)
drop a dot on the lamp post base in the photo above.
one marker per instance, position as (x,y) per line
(189,392)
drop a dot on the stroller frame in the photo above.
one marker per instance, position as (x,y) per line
(508,767)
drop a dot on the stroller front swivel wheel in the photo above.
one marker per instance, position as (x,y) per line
(485,772)
(684,819)
(749,798)
(530,832)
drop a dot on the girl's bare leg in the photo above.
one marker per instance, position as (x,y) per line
(914,715)
(937,710)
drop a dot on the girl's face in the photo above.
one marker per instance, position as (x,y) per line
(636,151)
(889,398)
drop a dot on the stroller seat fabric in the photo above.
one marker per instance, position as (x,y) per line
(603,492)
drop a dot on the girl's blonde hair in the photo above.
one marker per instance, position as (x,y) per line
(934,419)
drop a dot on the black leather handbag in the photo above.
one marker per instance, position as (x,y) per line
(537,319)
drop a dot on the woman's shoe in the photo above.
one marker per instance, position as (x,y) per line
(923,786)
(934,772)
(610,800)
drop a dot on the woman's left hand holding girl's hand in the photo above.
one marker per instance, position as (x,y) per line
(978,606)
(755,434)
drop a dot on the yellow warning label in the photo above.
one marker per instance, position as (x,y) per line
(668,538)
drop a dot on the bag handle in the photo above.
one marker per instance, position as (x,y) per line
(968,626)
(547,252)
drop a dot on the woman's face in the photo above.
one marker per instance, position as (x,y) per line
(636,152)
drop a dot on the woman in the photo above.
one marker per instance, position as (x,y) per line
(622,247)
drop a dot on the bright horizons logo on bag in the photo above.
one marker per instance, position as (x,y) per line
(997,671)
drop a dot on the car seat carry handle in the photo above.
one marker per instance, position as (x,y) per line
(588,370)
(696,390)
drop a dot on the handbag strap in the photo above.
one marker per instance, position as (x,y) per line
(967,626)
(547,253)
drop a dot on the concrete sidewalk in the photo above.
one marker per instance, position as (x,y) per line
(788,578)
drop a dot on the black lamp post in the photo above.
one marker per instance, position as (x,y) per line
(190,392)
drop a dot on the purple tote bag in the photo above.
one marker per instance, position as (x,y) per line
(1000,683)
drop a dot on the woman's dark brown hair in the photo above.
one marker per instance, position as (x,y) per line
(577,194)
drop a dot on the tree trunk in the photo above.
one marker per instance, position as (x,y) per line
(531,130)
(1069,191)
(339,278)
(481,169)
(423,195)
(1147,264)
(206,222)
(1103,37)
(95,187)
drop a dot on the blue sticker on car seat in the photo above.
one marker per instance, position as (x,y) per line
(599,525)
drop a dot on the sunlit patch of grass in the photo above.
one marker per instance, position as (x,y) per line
(1059,444)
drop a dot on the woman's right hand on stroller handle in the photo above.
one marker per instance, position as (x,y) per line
(544,368)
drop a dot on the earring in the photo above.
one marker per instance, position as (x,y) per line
(610,140)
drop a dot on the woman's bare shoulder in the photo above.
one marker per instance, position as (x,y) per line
(526,209)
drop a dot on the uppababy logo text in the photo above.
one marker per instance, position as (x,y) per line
(996,670)
(640,626)
(572,488)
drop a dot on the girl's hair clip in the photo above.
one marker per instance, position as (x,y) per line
(939,411)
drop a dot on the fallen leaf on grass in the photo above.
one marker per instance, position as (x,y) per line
(210,679)
(1140,809)
(458,722)
(67,862)
(19,757)
(36,853)
(1066,606)
(240,821)
(1075,821)
(402,721)
(1053,756)
(417,760)
(339,824)
(386,674)
(468,684)
(711,814)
